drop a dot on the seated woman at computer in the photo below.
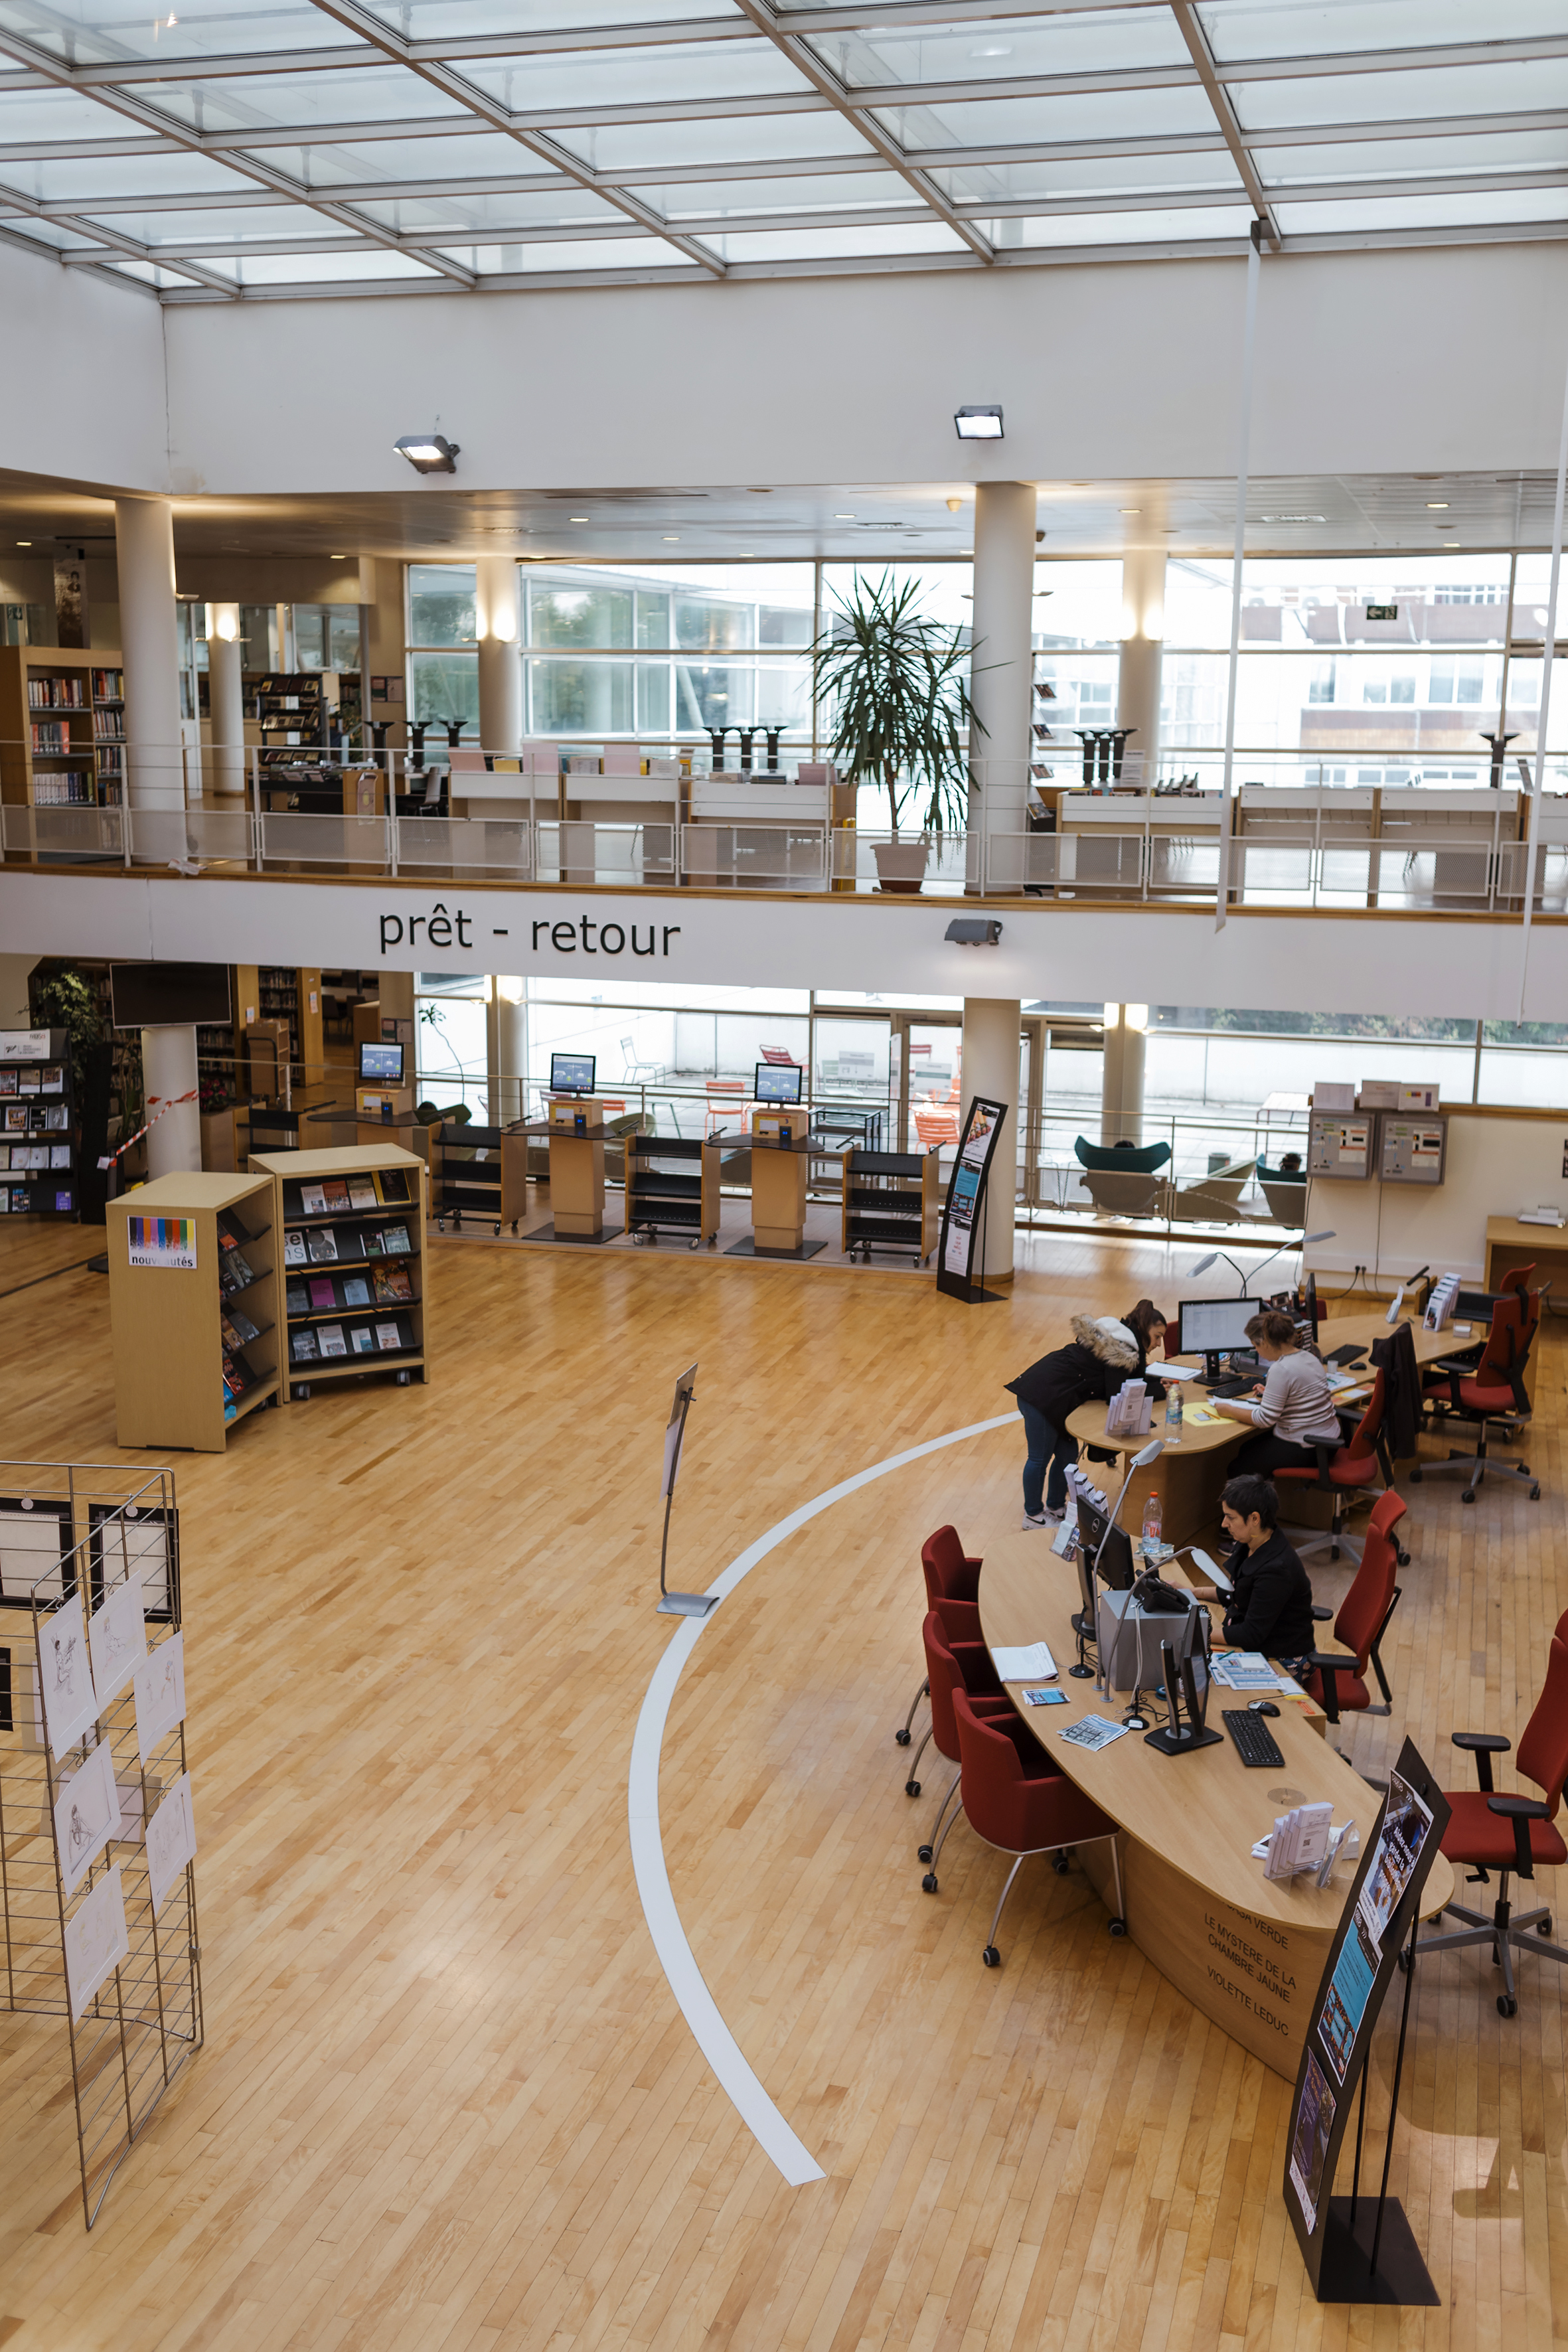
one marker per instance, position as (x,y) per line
(1102,1354)
(1292,1411)
(1271,1603)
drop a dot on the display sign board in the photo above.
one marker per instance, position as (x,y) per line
(1384,1902)
(962,1215)
(1412,1150)
(1341,1147)
(162,1242)
(24,1045)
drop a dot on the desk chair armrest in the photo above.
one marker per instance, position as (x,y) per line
(1483,1746)
(1325,1455)
(1320,1615)
(1331,1664)
(1521,1812)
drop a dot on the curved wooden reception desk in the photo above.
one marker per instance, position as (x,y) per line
(1246,1951)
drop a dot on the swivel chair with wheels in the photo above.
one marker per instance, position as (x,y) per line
(1338,1679)
(950,1575)
(1014,1800)
(1512,1834)
(1344,1472)
(1490,1393)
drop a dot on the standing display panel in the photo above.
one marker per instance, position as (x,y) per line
(964,1210)
(1359,2249)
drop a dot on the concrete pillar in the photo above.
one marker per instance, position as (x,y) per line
(511,1041)
(1004,668)
(1142,636)
(150,639)
(169,1071)
(1121,1083)
(990,1049)
(500,667)
(382,637)
(225,698)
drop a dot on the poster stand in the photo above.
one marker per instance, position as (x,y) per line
(1361,2249)
(967,1209)
(677,1604)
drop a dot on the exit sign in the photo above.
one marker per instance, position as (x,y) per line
(1383,612)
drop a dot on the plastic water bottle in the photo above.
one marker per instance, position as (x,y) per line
(1173,1413)
(1151,1542)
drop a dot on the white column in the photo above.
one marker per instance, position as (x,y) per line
(150,640)
(1142,635)
(225,698)
(1121,1080)
(500,667)
(991,1048)
(169,1071)
(1004,668)
(512,1027)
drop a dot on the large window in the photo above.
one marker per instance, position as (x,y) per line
(443,648)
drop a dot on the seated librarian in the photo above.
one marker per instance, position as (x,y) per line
(1270,1607)
(1294,1412)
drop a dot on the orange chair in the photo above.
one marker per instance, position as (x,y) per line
(1338,1681)
(936,1127)
(1344,1472)
(1512,1834)
(950,1575)
(1490,1393)
(1015,1799)
(725,1097)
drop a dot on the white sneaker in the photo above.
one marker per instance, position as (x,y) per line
(1043,1518)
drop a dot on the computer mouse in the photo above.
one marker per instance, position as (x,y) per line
(1263,1707)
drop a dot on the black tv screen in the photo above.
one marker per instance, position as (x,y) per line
(162,995)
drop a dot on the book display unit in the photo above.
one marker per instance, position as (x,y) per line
(351,1262)
(891,1203)
(291,716)
(38,1125)
(672,1187)
(282,992)
(192,1304)
(62,728)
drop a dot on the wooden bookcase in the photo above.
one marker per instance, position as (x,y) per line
(166,1319)
(672,1186)
(318,1296)
(281,993)
(63,716)
(39,1149)
(891,1202)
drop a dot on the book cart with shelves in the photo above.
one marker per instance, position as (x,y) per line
(38,1125)
(194,1308)
(891,1201)
(672,1187)
(62,728)
(351,1221)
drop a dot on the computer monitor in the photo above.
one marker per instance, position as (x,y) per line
(777,1082)
(571,1074)
(381,1066)
(1107,1547)
(1212,1327)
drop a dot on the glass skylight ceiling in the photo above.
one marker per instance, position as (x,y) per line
(252,150)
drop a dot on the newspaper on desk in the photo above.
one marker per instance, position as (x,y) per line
(1249,1670)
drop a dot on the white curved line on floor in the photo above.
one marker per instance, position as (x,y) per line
(697,2004)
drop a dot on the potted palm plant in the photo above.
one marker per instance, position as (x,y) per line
(896,682)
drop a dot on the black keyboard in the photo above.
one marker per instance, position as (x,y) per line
(1255,1742)
(1232,1387)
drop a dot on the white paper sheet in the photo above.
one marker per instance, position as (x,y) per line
(171,1842)
(116,1635)
(160,1694)
(96,1940)
(70,1703)
(87,1815)
(1034,1664)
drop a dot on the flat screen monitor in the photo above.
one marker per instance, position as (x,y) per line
(1212,1327)
(778,1081)
(381,1065)
(1115,1567)
(165,995)
(571,1074)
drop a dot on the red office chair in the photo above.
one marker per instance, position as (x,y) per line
(1344,1472)
(1490,1392)
(1511,1833)
(1340,1682)
(952,1666)
(950,1575)
(1014,1800)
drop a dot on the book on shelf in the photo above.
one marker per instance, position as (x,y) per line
(332,1341)
(389,1336)
(337,1196)
(362,1192)
(230,1232)
(237,1329)
(356,1290)
(109,685)
(395,1241)
(322,1242)
(294,1251)
(312,1200)
(297,1298)
(302,1347)
(57,1118)
(59,1155)
(361,1340)
(8,1077)
(392,1285)
(72,789)
(391,1184)
(323,1292)
(29,1080)
(235,1272)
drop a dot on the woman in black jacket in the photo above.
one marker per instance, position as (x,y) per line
(1270,1605)
(1103,1353)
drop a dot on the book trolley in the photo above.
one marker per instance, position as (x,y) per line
(350,1263)
(672,1187)
(891,1203)
(98,1891)
(193,1304)
(467,1178)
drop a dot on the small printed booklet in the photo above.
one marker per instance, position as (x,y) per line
(302,1345)
(362,1192)
(336,1193)
(332,1341)
(312,1200)
(294,1251)
(323,1294)
(392,1285)
(387,1335)
(1033,1664)
(297,1298)
(396,1242)
(323,1243)
(1093,1731)
(1044,1697)
(361,1340)
(356,1290)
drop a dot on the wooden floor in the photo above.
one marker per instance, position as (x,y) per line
(447,2100)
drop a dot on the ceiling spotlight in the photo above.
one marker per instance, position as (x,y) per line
(843,518)
(576,518)
(1132,510)
(672,539)
(428,453)
(24,543)
(978,424)
(1437,506)
(1452,544)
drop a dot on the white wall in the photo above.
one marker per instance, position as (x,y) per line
(1494,1168)
(82,393)
(1364,365)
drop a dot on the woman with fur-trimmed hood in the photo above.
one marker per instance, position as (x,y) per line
(1102,1355)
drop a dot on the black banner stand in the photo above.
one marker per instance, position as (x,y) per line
(1390,2269)
(967,1208)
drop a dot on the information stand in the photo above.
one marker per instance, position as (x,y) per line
(781,1146)
(1361,2249)
(964,1210)
(575,1125)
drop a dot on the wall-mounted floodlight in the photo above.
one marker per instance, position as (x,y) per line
(974,931)
(978,424)
(428,453)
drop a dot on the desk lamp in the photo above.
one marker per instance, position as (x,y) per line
(1307,1241)
(1140,1461)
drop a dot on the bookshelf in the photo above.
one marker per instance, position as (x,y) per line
(281,993)
(891,1202)
(62,728)
(38,1171)
(293,711)
(672,1186)
(354,1294)
(187,1255)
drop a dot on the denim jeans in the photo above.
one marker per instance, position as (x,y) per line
(1046,1444)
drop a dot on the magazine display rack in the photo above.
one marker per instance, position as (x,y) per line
(193,1303)
(352,1262)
